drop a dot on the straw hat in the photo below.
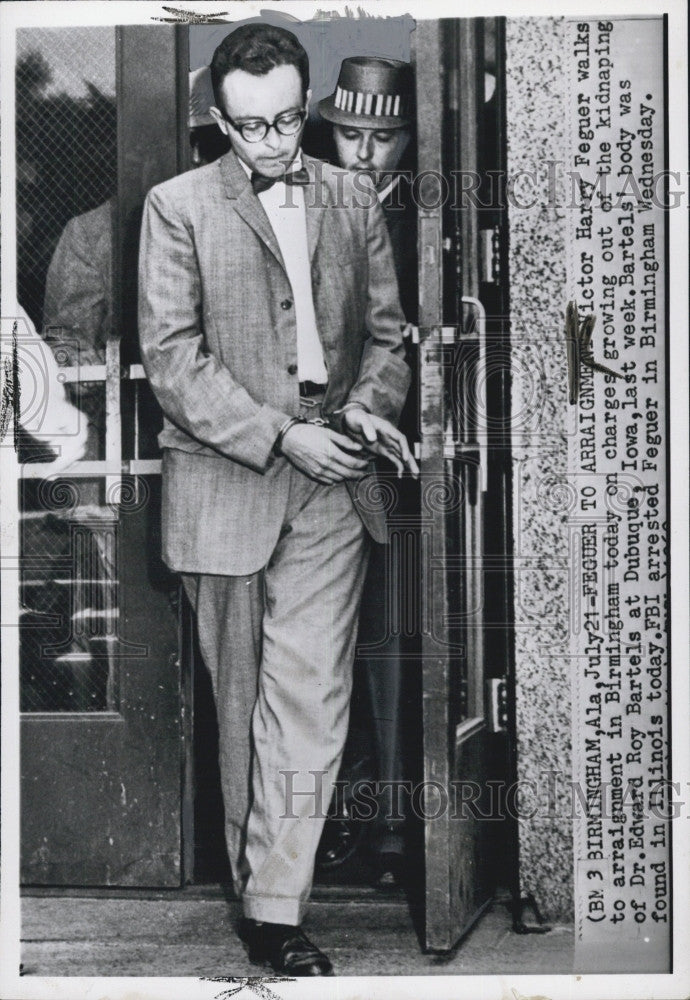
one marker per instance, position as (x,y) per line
(372,92)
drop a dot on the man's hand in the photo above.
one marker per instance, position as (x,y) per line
(72,448)
(323,454)
(380,437)
(65,430)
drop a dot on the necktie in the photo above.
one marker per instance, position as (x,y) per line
(262,183)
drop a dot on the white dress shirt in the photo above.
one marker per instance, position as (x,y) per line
(386,190)
(288,217)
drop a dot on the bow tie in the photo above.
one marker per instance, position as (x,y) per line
(262,183)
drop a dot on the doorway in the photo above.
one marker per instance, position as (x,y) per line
(453,607)
(136,697)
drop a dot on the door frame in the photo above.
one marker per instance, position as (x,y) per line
(462,740)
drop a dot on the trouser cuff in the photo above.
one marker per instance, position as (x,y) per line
(274,909)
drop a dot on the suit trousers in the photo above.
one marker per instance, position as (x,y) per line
(380,659)
(279,645)
(388,663)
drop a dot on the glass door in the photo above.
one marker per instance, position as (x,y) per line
(464,738)
(100,682)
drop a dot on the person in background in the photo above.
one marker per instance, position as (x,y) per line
(77,307)
(77,320)
(376,137)
(206,140)
(371,114)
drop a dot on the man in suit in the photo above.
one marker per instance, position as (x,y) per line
(373,137)
(271,333)
(377,140)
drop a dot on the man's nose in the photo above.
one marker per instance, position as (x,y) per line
(364,148)
(273,138)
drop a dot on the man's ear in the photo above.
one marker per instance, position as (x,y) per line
(306,103)
(219,120)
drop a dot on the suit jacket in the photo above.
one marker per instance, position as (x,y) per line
(219,345)
(77,317)
(400,213)
(79,285)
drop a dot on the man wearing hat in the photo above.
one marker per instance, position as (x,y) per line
(371,113)
(271,333)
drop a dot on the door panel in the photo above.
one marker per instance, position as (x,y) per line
(457,740)
(101,741)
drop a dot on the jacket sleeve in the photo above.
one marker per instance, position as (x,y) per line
(384,376)
(76,307)
(195,391)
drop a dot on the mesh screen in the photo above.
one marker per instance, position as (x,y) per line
(66,184)
(66,142)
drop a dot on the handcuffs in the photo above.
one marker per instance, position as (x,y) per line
(317,421)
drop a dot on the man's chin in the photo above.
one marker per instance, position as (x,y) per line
(273,167)
(368,171)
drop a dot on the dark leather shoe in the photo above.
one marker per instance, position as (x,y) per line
(388,857)
(388,870)
(343,831)
(340,839)
(285,948)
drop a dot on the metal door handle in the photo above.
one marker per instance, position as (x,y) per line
(481,374)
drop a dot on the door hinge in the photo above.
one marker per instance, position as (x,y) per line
(490,255)
(497,704)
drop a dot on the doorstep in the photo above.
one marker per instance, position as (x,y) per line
(191,933)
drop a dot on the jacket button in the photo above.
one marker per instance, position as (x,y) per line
(286,304)
(292,369)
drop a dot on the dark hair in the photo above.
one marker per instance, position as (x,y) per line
(257,48)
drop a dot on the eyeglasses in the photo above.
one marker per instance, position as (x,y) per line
(288,123)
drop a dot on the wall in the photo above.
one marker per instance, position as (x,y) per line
(536,136)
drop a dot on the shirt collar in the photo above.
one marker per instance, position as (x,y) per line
(385,191)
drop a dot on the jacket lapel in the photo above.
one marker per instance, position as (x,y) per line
(315,199)
(239,189)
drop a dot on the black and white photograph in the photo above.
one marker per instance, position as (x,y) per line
(344,500)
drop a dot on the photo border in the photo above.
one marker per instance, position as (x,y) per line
(506,987)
